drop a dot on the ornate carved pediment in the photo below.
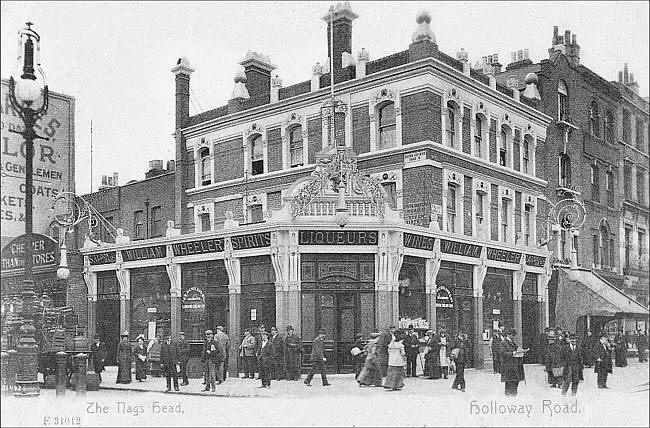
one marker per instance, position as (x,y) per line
(253,129)
(480,108)
(383,95)
(506,120)
(292,119)
(452,95)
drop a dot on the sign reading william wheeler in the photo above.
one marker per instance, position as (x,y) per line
(214,245)
(460,248)
(338,237)
(503,255)
(147,253)
(44,252)
(53,163)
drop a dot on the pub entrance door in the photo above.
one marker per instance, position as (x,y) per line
(108,314)
(337,318)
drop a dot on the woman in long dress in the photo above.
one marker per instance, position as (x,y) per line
(140,356)
(371,372)
(444,361)
(432,357)
(396,364)
(124,359)
(620,351)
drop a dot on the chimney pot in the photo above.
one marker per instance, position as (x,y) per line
(525,53)
(513,56)
(520,55)
(620,77)
(625,74)
(574,39)
(567,36)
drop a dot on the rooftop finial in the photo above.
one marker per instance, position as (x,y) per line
(423,31)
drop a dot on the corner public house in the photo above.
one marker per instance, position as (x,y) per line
(392,204)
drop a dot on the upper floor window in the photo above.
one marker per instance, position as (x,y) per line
(452,124)
(626,126)
(525,155)
(257,155)
(295,146)
(156,221)
(627,180)
(451,208)
(640,186)
(628,246)
(639,131)
(505,220)
(503,146)
(391,194)
(609,182)
(595,184)
(528,227)
(609,127)
(387,135)
(606,248)
(565,170)
(138,224)
(562,101)
(205,167)
(594,119)
(641,252)
(480,213)
(478,136)
(255,213)
(205,222)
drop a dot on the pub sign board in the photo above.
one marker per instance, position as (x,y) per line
(146,253)
(44,252)
(338,237)
(460,248)
(205,246)
(503,255)
(535,261)
(419,242)
(254,240)
(102,258)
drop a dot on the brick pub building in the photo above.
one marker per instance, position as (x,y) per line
(414,199)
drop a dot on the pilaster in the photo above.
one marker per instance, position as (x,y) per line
(124,279)
(174,273)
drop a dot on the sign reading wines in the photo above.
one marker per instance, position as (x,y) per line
(44,252)
(53,163)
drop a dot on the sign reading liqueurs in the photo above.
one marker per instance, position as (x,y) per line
(338,237)
(147,253)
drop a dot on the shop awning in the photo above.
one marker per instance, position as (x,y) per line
(586,293)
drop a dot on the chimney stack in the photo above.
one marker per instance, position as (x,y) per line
(627,79)
(341,17)
(276,85)
(257,68)
(362,60)
(423,40)
(567,45)
(182,70)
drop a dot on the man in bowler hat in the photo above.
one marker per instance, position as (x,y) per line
(572,362)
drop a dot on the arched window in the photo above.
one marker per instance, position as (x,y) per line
(295,146)
(505,220)
(257,155)
(565,170)
(604,247)
(387,126)
(205,167)
(594,119)
(609,127)
(562,101)
(452,195)
(452,124)
(503,146)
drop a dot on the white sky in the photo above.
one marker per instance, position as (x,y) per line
(115,57)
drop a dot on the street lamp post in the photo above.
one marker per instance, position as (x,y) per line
(25,93)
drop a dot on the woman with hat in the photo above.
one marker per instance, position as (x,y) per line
(140,355)
(432,357)
(396,363)
(124,359)
(554,367)
(371,372)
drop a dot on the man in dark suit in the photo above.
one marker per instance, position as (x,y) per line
(459,353)
(293,348)
(572,361)
(603,365)
(210,356)
(497,338)
(277,367)
(412,348)
(99,355)
(318,359)
(265,357)
(512,364)
(184,348)
(170,357)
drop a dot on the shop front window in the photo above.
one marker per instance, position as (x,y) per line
(454,301)
(412,298)
(150,302)
(204,293)
(497,299)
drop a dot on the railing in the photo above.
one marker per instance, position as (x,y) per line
(328,208)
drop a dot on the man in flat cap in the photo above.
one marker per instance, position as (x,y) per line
(293,347)
(211,357)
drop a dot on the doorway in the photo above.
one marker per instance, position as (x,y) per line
(108,325)
(530,329)
(339,320)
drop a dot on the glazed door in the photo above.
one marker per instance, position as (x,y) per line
(529,321)
(346,324)
(218,309)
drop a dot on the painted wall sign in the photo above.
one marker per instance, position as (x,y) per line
(338,237)
(214,245)
(193,299)
(44,252)
(460,248)
(444,299)
(536,261)
(147,253)
(102,258)
(53,163)
(419,242)
(255,240)
(503,255)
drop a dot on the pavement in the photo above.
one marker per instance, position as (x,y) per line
(422,402)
